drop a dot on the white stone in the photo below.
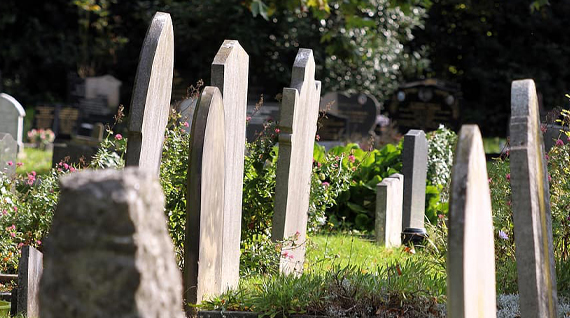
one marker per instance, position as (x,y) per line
(12,118)
(106,85)
(388,222)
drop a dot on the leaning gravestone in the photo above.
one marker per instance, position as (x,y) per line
(205,214)
(298,125)
(471,250)
(389,198)
(531,206)
(29,273)
(12,118)
(109,253)
(8,154)
(150,104)
(414,168)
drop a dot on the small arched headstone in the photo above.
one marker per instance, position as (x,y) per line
(12,118)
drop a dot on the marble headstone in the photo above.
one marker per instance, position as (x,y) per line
(298,126)
(12,118)
(389,199)
(471,250)
(150,103)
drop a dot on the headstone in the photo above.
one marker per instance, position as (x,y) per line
(106,85)
(389,199)
(332,127)
(359,109)
(29,273)
(68,119)
(8,154)
(44,117)
(12,118)
(205,214)
(150,103)
(109,253)
(259,116)
(531,205)
(230,70)
(471,250)
(414,168)
(298,125)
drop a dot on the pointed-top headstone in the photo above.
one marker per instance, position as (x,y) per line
(298,125)
(531,205)
(471,250)
(230,75)
(150,103)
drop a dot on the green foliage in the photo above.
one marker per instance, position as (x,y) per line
(35,160)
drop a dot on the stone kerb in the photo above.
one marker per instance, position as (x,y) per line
(12,118)
(389,199)
(414,169)
(230,70)
(109,253)
(30,270)
(471,250)
(150,103)
(298,126)
(205,215)
(531,205)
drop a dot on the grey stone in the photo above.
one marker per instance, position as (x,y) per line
(414,168)
(107,86)
(471,250)
(150,104)
(205,214)
(531,205)
(8,154)
(186,110)
(12,118)
(29,273)
(359,110)
(389,199)
(230,70)
(109,253)
(298,126)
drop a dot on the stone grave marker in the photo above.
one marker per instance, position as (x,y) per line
(389,199)
(29,273)
(471,250)
(12,118)
(203,248)
(230,70)
(8,154)
(360,110)
(150,103)
(414,168)
(109,253)
(298,125)
(531,205)
(107,86)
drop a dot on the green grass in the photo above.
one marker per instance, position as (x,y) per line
(493,144)
(36,160)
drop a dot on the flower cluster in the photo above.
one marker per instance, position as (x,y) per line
(41,137)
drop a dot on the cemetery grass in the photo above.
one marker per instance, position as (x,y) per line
(35,159)
(345,275)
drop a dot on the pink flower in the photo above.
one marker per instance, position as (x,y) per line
(248,118)
(546,157)
(543,128)
(277,130)
(13,234)
(10,163)
(20,245)
(319,164)
(118,136)
(19,164)
(326,184)
(490,180)
(351,158)
(13,227)
(317,137)
(186,124)
(4,212)
(297,233)
(32,177)
(508,176)
(509,203)
(549,178)
(15,209)
(285,254)
(71,169)
(39,242)
(559,142)
(65,166)
(440,216)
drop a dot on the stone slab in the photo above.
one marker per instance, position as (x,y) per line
(414,169)
(30,270)
(389,200)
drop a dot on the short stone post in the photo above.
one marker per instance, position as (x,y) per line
(150,103)
(531,206)
(205,215)
(471,250)
(30,270)
(389,199)
(109,253)
(414,168)
(298,126)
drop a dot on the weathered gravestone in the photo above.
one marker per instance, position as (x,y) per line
(12,118)
(298,125)
(471,251)
(150,103)
(109,253)
(531,205)
(414,168)
(389,199)
(8,154)
(203,248)
(360,110)
(107,86)
(29,273)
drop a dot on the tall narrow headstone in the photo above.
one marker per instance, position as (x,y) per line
(414,168)
(150,103)
(109,253)
(12,118)
(8,154)
(298,126)
(205,215)
(29,273)
(531,206)
(230,75)
(389,199)
(471,250)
